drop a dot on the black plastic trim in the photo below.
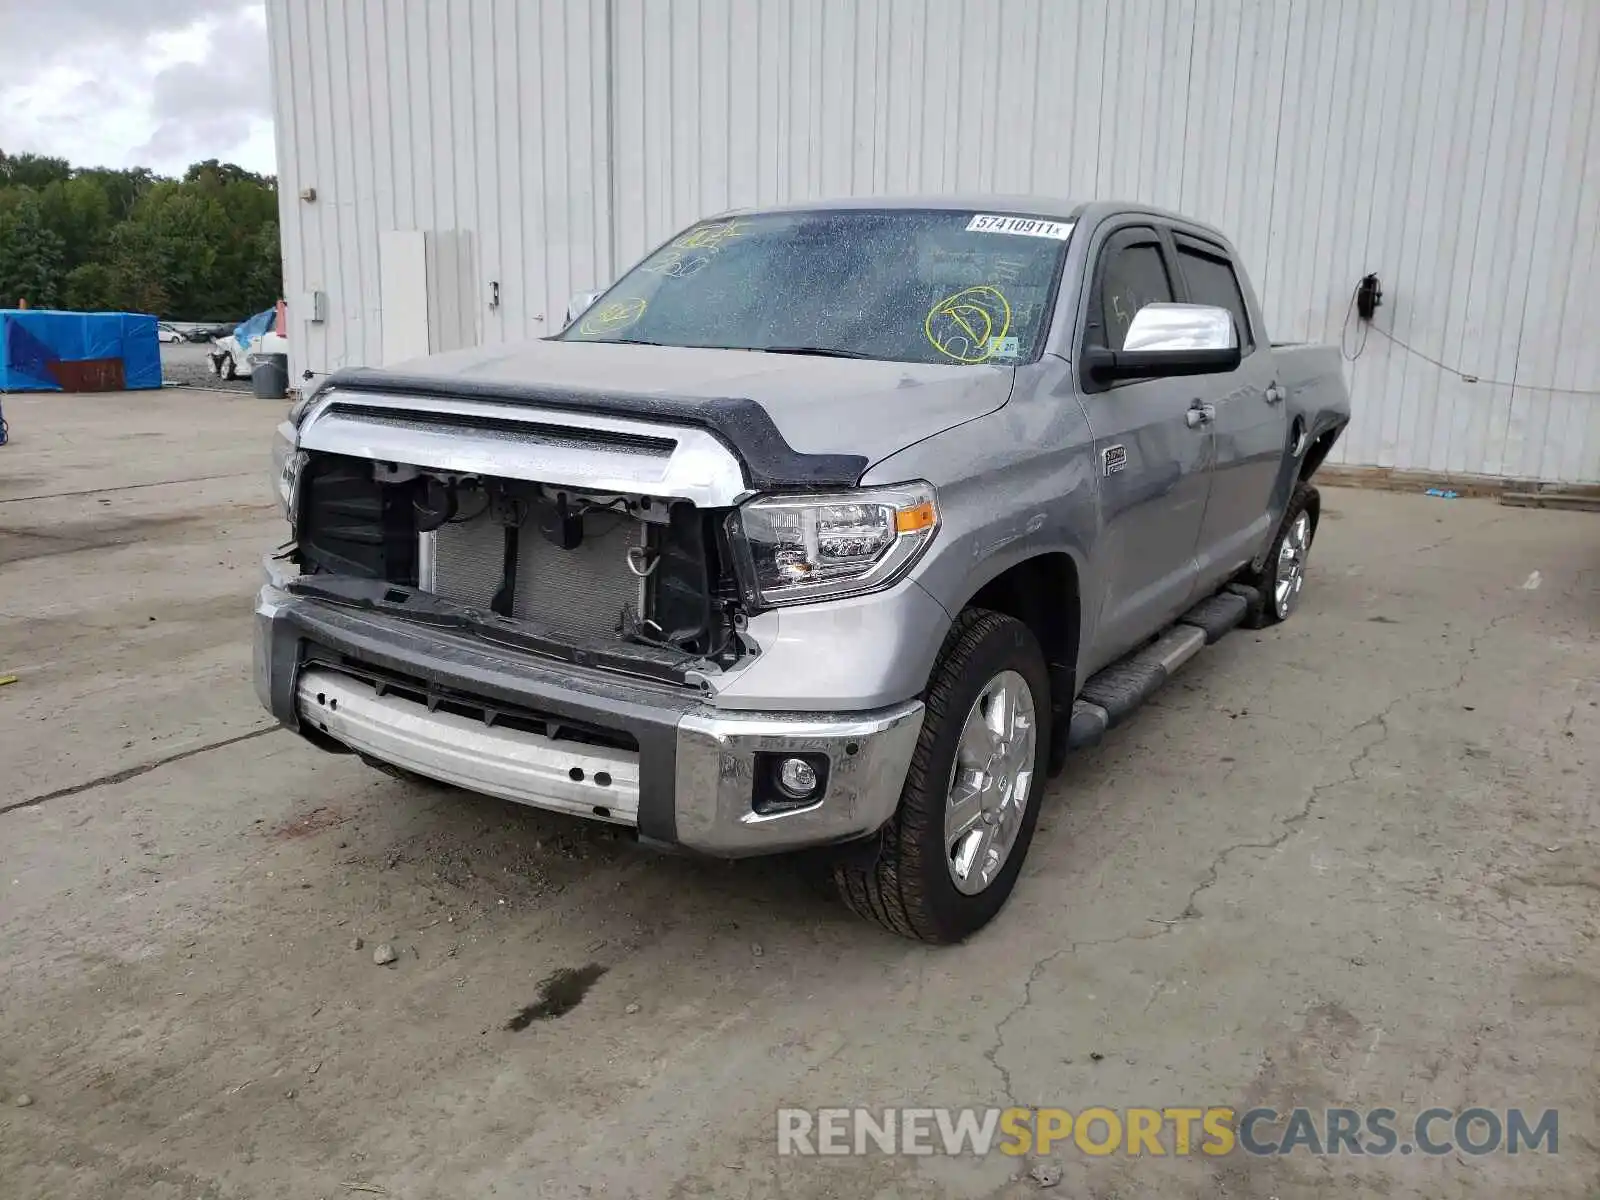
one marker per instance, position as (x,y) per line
(1182,241)
(1217,615)
(658,663)
(1113,235)
(1124,686)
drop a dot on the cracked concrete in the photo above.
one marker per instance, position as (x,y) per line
(1291,823)
(1350,861)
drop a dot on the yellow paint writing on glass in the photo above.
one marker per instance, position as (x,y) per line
(711,237)
(618,314)
(677,264)
(964,325)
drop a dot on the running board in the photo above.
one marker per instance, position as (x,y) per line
(1113,693)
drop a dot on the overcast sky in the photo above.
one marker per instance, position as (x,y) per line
(124,83)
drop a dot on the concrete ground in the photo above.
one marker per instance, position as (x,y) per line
(187,363)
(1349,861)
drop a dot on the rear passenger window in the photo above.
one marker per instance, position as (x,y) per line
(1212,280)
(1135,274)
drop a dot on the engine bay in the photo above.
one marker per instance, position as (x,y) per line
(564,563)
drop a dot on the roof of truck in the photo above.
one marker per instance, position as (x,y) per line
(1041,206)
(1038,206)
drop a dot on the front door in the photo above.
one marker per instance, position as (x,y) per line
(1249,428)
(1152,453)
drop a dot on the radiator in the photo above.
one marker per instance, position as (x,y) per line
(580,591)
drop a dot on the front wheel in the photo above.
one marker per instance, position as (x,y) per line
(226,369)
(951,854)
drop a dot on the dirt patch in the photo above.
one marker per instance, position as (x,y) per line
(18,486)
(314,822)
(18,544)
(559,993)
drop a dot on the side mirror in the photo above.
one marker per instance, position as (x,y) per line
(580,304)
(1169,340)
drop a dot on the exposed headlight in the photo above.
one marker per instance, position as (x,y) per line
(794,549)
(287,463)
(299,409)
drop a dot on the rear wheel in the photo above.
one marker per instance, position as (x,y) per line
(1283,576)
(951,854)
(226,369)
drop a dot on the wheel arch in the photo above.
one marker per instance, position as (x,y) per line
(1044,592)
(1320,443)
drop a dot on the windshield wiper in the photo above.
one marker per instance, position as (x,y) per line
(819,351)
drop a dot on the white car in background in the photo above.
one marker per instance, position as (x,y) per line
(230,359)
(167,333)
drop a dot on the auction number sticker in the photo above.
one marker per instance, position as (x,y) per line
(1026,226)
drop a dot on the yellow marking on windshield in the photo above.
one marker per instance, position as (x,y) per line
(617,315)
(713,236)
(677,264)
(965,326)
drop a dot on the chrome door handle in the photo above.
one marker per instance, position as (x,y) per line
(1199,414)
(1275,394)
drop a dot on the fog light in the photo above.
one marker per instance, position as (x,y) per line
(797,777)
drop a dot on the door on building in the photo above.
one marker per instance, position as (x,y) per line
(427,292)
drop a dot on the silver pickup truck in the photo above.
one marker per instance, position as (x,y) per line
(835,525)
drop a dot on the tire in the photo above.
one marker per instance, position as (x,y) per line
(226,370)
(911,888)
(1280,596)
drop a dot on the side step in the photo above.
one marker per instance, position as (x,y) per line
(1113,693)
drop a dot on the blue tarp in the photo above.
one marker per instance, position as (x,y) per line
(246,332)
(33,341)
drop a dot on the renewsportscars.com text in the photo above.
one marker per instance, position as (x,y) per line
(1178,1131)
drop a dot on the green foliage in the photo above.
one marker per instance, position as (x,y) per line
(32,255)
(32,170)
(201,248)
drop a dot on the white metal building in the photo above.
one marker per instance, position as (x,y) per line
(451,171)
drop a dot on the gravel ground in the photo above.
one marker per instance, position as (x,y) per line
(185,363)
(1351,860)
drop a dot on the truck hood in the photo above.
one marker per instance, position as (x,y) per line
(821,406)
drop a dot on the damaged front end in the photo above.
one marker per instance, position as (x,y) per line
(574,609)
(603,544)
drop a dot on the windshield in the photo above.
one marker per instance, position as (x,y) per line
(920,286)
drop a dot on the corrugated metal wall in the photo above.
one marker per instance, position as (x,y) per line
(1451,146)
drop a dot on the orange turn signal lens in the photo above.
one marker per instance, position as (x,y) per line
(915,519)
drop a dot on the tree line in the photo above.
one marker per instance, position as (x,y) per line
(200,248)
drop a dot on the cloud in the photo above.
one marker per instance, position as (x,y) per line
(157,83)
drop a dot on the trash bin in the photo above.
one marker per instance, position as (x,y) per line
(269,379)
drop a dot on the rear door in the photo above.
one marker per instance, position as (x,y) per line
(1152,456)
(1249,428)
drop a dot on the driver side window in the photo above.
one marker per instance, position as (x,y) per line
(1133,273)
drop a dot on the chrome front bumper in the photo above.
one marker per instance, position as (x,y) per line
(868,755)
(694,781)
